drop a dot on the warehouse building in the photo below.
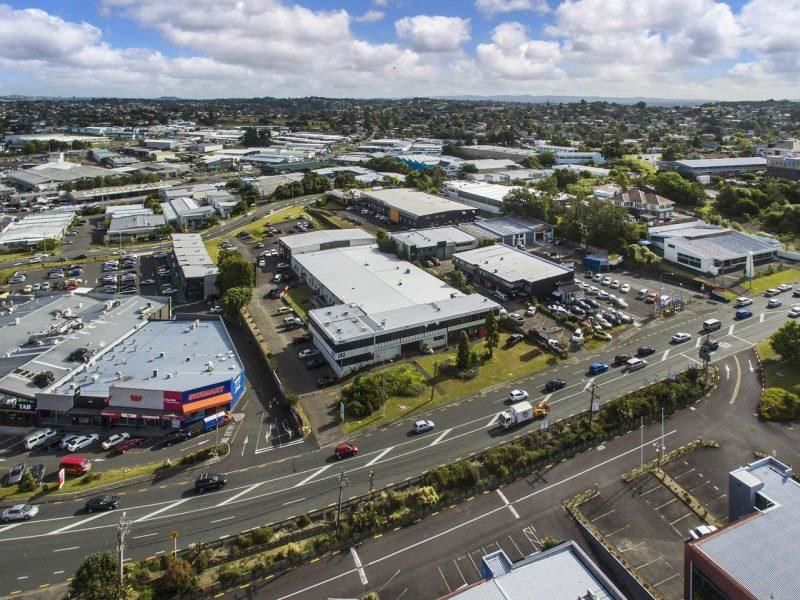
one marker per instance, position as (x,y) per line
(412,208)
(34,229)
(786,166)
(755,555)
(127,210)
(187,213)
(380,308)
(164,373)
(439,242)
(487,197)
(511,231)
(563,572)
(324,239)
(197,273)
(496,152)
(708,248)
(513,271)
(135,226)
(49,176)
(715,166)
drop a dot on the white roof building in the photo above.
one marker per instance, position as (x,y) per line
(325,239)
(485,196)
(30,230)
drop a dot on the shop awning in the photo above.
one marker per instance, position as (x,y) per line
(218,400)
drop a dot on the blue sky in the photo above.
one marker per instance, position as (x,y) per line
(722,49)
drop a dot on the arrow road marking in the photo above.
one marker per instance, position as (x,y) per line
(244,444)
(727,371)
(494,420)
(761,317)
(750,366)
(665,355)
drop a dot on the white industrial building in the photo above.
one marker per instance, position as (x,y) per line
(49,176)
(439,242)
(380,308)
(197,273)
(34,229)
(186,213)
(135,226)
(413,208)
(708,248)
(487,197)
(323,239)
(127,210)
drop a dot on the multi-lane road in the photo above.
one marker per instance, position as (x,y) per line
(290,481)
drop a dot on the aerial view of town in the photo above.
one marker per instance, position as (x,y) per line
(400,300)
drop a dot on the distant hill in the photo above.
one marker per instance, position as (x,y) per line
(525,98)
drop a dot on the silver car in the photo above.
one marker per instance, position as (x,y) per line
(15,474)
(19,512)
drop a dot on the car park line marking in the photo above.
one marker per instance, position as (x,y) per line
(440,437)
(605,514)
(58,572)
(7,527)
(360,569)
(444,578)
(380,456)
(632,547)
(455,562)
(67,549)
(240,494)
(76,524)
(319,471)
(761,317)
(688,514)
(730,329)
(508,504)
(161,510)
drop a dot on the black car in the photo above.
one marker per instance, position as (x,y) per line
(38,471)
(105,502)
(325,381)
(209,481)
(49,444)
(710,345)
(621,359)
(315,363)
(514,338)
(645,351)
(176,436)
(554,384)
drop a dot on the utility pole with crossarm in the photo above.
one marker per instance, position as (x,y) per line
(122,530)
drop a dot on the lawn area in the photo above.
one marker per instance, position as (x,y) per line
(777,374)
(339,222)
(285,214)
(213,249)
(507,363)
(760,284)
(298,299)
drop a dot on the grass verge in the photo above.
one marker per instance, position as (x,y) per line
(299,299)
(776,373)
(761,284)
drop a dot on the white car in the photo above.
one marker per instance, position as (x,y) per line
(19,512)
(28,289)
(742,301)
(597,277)
(149,281)
(603,295)
(82,442)
(784,287)
(115,439)
(771,292)
(577,337)
(606,280)
(592,291)
(681,337)
(615,284)
(620,303)
(120,252)
(307,353)
(774,303)
(625,288)
(517,395)
(795,312)
(530,311)
(215,310)
(423,426)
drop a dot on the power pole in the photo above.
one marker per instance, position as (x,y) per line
(435,367)
(383,394)
(641,442)
(122,530)
(371,483)
(661,444)
(591,403)
(343,480)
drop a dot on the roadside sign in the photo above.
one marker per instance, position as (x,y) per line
(174,535)
(672,375)
(62,476)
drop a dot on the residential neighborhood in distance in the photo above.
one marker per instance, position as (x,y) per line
(381,300)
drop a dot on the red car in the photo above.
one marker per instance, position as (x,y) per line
(345,450)
(128,444)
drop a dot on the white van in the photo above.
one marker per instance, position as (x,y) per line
(711,325)
(501,296)
(285,309)
(642,293)
(38,437)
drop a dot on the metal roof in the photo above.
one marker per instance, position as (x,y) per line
(313,239)
(701,163)
(37,227)
(192,256)
(510,264)
(415,203)
(425,238)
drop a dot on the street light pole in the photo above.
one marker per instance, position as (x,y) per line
(122,530)
(433,381)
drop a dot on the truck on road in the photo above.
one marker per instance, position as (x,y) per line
(522,412)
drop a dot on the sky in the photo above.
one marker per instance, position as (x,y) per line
(698,49)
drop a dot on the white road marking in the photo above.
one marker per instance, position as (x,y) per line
(7,527)
(440,437)
(144,535)
(727,371)
(313,475)
(67,549)
(77,523)
(58,572)
(697,342)
(730,329)
(361,574)
(761,317)
(750,365)
(293,501)
(240,494)
(508,504)
(223,519)
(161,510)
(588,384)
(666,354)
(380,456)
(493,421)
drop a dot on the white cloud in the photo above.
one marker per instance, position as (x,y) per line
(371,16)
(491,7)
(427,33)
(512,55)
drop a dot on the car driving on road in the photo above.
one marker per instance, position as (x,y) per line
(19,512)
(209,481)
(423,425)
(176,436)
(645,351)
(105,502)
(517,395)
(554,384)
(681,337)
(345,450)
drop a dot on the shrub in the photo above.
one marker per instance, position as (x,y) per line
(424,496)
(303,521)
(778,404)
(549,541)
(262,535)
(178,577)
(367,393)
(28,483)
(228,573)
(461,475)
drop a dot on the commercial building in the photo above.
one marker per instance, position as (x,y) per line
(187,213)
(127,210)
(715,166)
(422,162)
(491,165)
(563,572)
(511,231)
(40,333)
(779,148)
(197,273)
(135,226)
(49,176)
(19,140)
(439,242)
(171,372)
(412,208)
(323,239)
(786,166)
(644,204)
(379,308)
(513,271)
(708,248)
(510,175)
(498,152)
(162,144)
(755,556)
(487,197)
(592,171)
(574,157)
(34,229)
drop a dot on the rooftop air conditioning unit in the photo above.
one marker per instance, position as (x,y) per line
(155,373)
(209,366)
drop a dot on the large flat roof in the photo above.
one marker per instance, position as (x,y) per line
(37,227)
(192,256)
(712,240)
(511,264)
(414,202)
(425,238)
(744,161)
(760,552)
(503,226)
(323,236)
(492,191)
(162,346)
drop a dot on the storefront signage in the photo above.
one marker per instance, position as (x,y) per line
(136,397)
(195,395)
(62,476)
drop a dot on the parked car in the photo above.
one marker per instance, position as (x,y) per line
(215,310)
(771,292)
(19,512)
(681,337)
(345,450)
(517,395)
(115,439)
(16,473)
(176,436)
(67,439)
(423,425)
(128,444)
(209,481)
(625,288)
(514,338)
(784,287)
(554,384)
(82,442)
(105,502)
(597,368)
(325,381)
(307,353)
(606,280)
(645,351)
(615,284)
(315,363)
(795,312)
(518,319)
(38,473)
(774,303)
(621,359)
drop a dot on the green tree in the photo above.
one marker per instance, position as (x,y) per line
(234,271)
(492,333)
(462,355)
(178,578)
(469,168)
(96,578)
(531,162)
(524,202)
(345,181)
(671,185)
(547,159)
(387,164)
(786,342)
(235,299)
